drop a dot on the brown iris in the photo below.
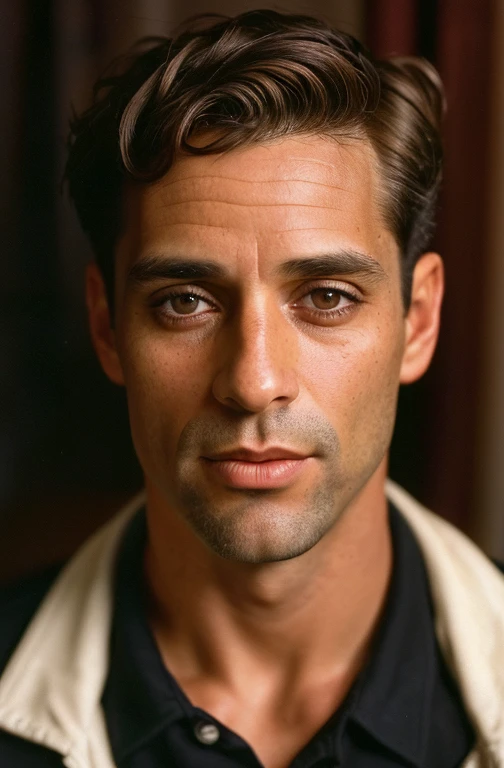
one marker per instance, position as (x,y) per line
(325,298)
(185,304)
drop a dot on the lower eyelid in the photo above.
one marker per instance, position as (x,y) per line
(353,299)
(331,312)
(305,312)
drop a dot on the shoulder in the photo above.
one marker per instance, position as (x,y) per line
(18,603)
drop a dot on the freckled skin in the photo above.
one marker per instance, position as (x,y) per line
(253,372)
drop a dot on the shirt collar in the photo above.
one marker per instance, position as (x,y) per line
(395,690)
(139,698)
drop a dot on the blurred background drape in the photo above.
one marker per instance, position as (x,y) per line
(66,461)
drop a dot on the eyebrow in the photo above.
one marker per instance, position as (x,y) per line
(163,268)
(345,262)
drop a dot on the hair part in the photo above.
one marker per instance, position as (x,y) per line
(252,79)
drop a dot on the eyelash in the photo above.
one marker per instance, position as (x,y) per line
(327,314)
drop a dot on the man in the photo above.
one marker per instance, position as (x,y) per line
(259,193)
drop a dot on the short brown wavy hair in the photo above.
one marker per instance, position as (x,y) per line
(251,79)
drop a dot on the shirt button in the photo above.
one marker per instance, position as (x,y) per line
(206,733)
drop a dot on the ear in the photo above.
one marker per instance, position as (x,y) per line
(422,320)
(102,333)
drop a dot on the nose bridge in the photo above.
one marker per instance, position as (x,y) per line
(260,359)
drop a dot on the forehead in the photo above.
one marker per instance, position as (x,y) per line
(298,194)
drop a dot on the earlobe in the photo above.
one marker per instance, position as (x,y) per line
(422,319)
(102,333)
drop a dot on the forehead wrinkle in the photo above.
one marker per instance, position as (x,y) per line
(282,192)
(308,229)
(212,189)
(193,224)
(241,180)
(251,205)
(279,159)
(313,160)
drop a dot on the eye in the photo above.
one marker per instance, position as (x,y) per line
(179,304)
(187,304)
(327,304)
(326,299)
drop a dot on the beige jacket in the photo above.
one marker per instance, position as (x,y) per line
(50,691)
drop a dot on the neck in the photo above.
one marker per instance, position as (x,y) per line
(308,618)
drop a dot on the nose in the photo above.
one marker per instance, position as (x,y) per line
(259,360)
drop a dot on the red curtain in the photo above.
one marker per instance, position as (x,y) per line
(457,37)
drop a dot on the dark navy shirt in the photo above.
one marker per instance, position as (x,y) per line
(404,708)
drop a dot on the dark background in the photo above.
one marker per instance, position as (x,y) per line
(66,456)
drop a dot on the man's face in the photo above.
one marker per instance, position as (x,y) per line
(259,309)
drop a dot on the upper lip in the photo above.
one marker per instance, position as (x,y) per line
(248,454)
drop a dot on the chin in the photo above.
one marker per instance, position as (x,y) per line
(260,530)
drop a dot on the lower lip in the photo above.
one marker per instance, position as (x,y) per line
(257,474)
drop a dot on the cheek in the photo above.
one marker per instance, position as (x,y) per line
(166,386)
(355,382)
